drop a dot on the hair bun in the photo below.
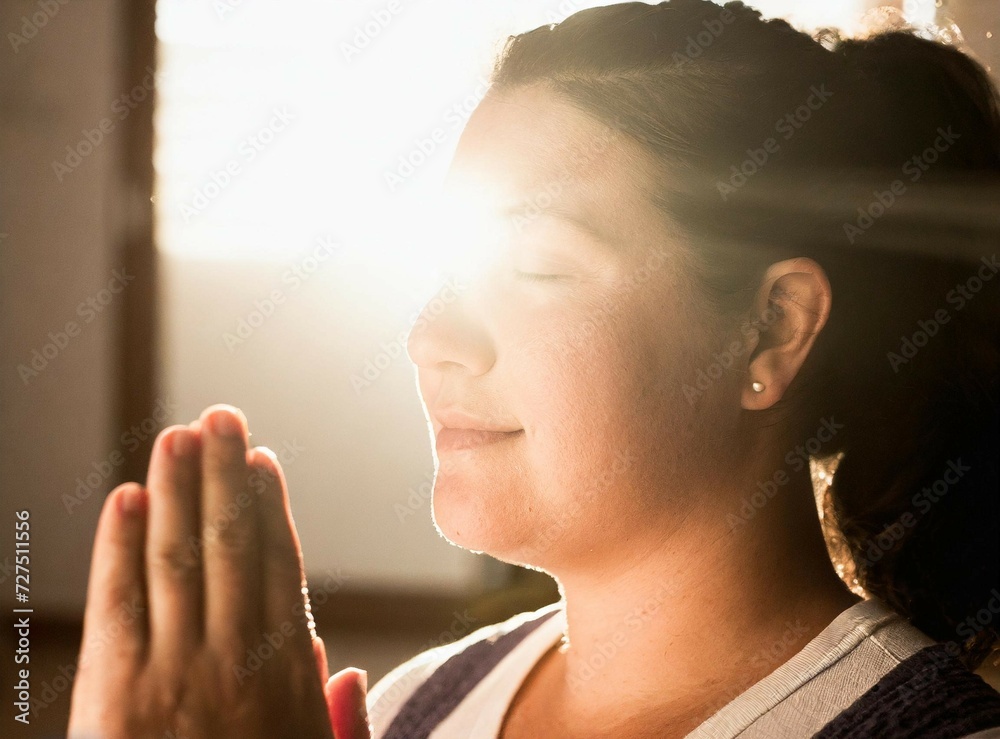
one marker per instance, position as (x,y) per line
(920,79)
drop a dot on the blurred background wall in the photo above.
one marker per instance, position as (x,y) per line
(132,296)
(61,241)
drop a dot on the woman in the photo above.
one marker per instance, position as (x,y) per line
(685,315)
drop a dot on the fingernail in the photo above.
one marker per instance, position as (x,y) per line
(267,452)
(133,501)
(181,443)
(225,423)
(363,680)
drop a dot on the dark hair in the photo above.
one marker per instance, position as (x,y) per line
(907,363)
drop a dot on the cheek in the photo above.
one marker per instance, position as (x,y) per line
(624,372)
(600,385)
(603,452)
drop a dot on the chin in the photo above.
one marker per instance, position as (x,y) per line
(477,516)
(458,517)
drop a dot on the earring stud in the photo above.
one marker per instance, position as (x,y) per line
(758,387)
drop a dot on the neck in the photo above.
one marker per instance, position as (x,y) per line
(697,616)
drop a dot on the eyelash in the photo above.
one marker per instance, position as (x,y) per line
(535,277)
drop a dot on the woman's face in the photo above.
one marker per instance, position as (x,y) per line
(583,369)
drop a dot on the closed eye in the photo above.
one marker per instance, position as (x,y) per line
(535,276)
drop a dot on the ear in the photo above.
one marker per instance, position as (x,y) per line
(793,304)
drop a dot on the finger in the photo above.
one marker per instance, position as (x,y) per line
(115,626)
(319,649)
(229,529)
(346,695)
(173,547)
(282,571)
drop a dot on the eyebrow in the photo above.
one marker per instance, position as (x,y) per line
(570,216)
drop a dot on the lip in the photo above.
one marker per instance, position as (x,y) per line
(455,418)
(453,439)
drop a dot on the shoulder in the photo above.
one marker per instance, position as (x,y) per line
(870,664)
(930,693)
(389,694)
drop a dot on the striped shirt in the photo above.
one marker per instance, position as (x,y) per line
(842,663)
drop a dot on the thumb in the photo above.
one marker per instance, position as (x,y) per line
(346,702)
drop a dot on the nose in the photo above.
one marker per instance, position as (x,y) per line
(449,332)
